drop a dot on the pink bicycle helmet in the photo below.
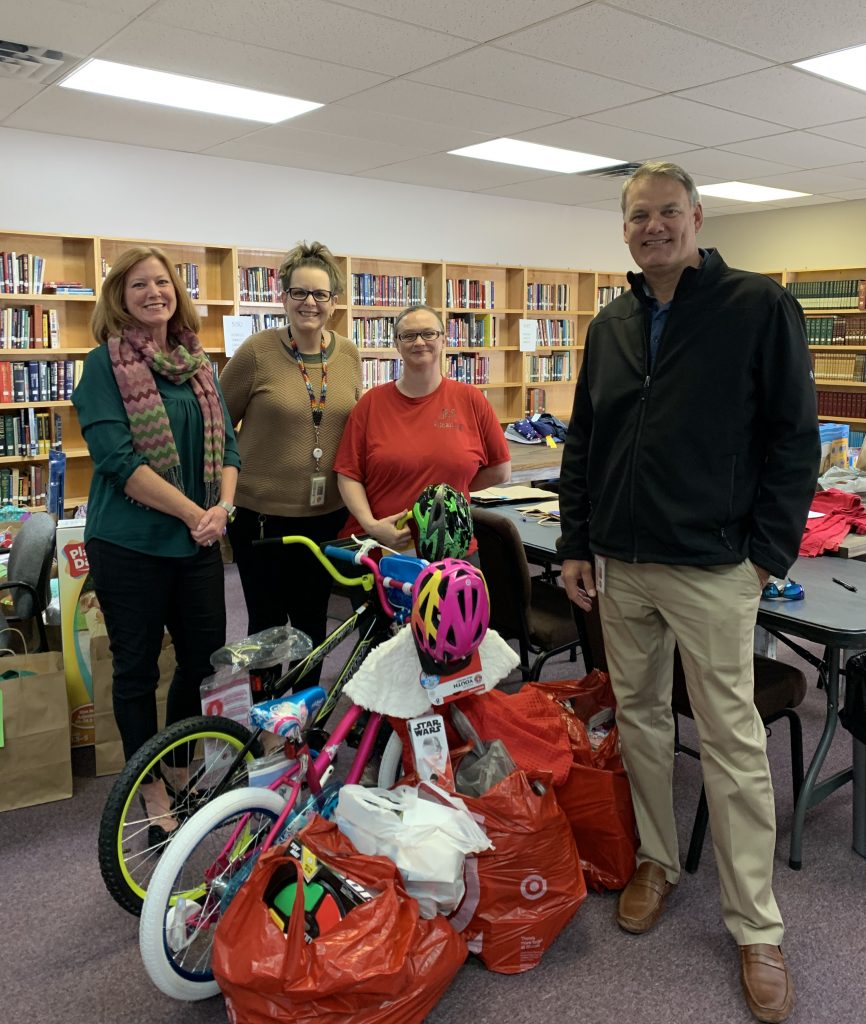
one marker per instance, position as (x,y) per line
(450,614)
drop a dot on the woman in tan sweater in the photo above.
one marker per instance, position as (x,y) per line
(293,389)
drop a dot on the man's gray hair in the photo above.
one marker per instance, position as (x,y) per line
(661,169)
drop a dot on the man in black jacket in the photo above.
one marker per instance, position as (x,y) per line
(688,471)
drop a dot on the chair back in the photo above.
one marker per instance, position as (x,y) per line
(29,563)
(503,562)
(591,637)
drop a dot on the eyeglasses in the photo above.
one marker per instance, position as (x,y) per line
(300,294)
(428,334)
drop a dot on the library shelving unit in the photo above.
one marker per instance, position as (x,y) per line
(45,337)
(836,330)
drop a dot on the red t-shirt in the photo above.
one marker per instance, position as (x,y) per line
(395,446)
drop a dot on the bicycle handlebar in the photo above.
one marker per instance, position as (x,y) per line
(367,581)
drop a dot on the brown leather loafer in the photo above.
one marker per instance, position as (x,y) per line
(642,901)
(766,982)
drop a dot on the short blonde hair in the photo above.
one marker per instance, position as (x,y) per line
(661,169)
(110,316)
(417,309)
(312,254)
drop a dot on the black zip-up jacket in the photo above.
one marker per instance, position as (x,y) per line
(712,457)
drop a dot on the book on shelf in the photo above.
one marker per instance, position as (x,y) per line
(548,297)
(469,293)
(534,401)
(66,288)
(471,330)
(21,273)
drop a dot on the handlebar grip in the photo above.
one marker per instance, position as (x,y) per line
(341,554)
(401,522)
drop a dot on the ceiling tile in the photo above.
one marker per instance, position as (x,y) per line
(412,134)
(312,27)
(457,172)
(801,149)
(857,193)
(784,31)
(478,21)
(851,170)
(294,147)
(603,139)
(254,67)
(569,189)
(722,166)
(621,45)
(444,106)
(516,78)
(63,112)
(69,27)
(785,96)
(14,93)
(817,181)
(674,117)
(611,205)
(845,131)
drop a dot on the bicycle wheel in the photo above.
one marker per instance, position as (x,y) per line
(391,765)
(207,745)
(199,873)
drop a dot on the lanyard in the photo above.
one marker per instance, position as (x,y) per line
(316,408)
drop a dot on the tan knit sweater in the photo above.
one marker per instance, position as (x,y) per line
(264,388)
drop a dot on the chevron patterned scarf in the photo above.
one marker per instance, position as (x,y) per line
(135,358)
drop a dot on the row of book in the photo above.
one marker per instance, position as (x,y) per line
(549,368)
(21,273)
(373,331)
(607,293)
(845,404)
(848,294)
(27,432)
(535,400)
(29,327)
(388,290)
(548,296)
(836,330)
(470,331)
(839,366)
(264,321)
(468,293)
(554,332)
(188,273)
(259,284)
(43,380)
(24,485)
(470,369)
(378,371)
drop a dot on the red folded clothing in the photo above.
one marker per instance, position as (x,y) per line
(841,513)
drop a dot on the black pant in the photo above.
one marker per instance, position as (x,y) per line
(285,582)
(141,596)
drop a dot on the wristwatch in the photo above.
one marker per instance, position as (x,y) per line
(230,509)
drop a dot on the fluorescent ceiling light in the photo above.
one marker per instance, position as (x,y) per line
(846,66)
(746,193)
(147,86)
(530,154)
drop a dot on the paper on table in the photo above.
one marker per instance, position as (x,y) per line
(517,492)
(543,508)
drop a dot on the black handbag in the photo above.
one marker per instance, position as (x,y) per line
(853,714)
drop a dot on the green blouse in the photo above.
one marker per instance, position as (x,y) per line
(111,515)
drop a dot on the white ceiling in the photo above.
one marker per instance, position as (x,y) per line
(709,85)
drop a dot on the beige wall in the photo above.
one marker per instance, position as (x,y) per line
(822,236)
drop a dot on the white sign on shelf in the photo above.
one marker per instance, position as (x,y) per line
(528,335)
(236,329)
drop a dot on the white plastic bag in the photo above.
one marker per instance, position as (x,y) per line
(426,833)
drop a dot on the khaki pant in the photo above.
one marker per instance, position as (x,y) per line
(709,611)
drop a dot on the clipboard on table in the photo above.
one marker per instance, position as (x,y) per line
(491,496)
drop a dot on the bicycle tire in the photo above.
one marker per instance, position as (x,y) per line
(183,901)
(126,860)
(391,764)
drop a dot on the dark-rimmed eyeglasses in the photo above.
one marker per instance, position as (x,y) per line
(428,334)
(300,294)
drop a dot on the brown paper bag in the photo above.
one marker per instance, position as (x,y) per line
(36,759)
(109,749)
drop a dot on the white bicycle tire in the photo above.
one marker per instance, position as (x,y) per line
(391,764)
(157,963)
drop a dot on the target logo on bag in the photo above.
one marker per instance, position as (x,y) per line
(533,887)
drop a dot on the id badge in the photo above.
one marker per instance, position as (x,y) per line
(600,565)
(317,490)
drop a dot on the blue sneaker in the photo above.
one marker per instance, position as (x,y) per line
(783,590)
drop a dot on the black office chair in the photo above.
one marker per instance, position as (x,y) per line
(779,688)
(529,609)
(28,574)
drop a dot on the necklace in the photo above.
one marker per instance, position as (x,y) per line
(317,408)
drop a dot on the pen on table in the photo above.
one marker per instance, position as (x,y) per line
(847,586)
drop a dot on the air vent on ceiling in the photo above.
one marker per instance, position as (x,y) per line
(617,171)
(33,63)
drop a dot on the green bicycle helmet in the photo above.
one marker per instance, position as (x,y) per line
(444,521)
